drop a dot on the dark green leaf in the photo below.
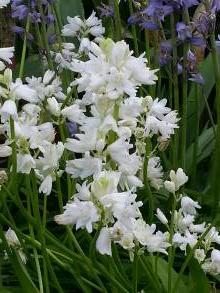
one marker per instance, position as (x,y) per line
(198,280)
(162,268)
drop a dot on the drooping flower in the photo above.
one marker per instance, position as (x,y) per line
(80,213)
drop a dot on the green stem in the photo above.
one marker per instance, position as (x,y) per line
(24,49)
(40,232)
(184,105)
(175,86)
(209,113)
(14,151)
(117,17)
(135,274)
(171,251)
(147,46)
(145,179)
(196,142)
(31,231)
(65,156)
(59,193)
(133,28)
(44,34)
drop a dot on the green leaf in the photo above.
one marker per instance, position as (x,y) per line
(162,270)
(206,146)
(24,278)
(198,280)
(70,8)
(206,69)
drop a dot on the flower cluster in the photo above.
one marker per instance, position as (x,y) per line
(84,31)
(109,117)
(185,231)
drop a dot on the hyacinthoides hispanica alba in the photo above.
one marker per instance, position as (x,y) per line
(106,145)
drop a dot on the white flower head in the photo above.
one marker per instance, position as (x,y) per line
(155,172)
(5,151)
(46,185)
(112,71)
(177,179)
(12,238)
(53,106)
(103,243)
(8,109)
(80,213)
(25,163)
(189,206)
(105,182)
(84,167)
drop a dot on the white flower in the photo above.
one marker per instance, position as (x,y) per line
(189,206)
(77,26)
(212,266)
(41,136)
(51,156)
(8,109)
(94,25)
(6,53)
(213,236)
(155,172)
(178,179)
(53,106)
(160,119)
(73,113)
(22,91)
(84,167)
(145,235)
(48,164)
(85,142)
(112,71)
(121,203)
(183,221)
(83,191)
(73,26)
(80,213)
(46,185)
(160,215)
(103,243)
(215,257)
(169,186)
(85,45)
(104,183)
(5,151)
(12,238)
(158,243)
(199,228)
(47,86)
(25,162)
(119,150)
